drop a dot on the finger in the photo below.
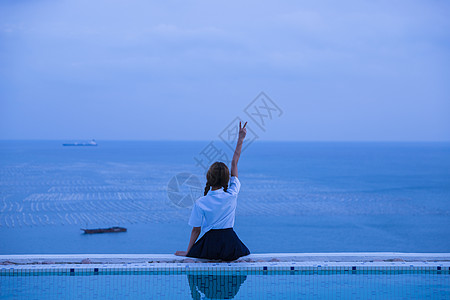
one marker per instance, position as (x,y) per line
(245,124)
(240,125)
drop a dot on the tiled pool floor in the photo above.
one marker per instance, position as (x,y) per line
(263,276)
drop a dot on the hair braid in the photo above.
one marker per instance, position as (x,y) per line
(207,187)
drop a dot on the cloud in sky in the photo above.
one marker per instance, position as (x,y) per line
(347,70)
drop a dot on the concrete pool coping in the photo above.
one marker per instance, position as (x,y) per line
(387,259)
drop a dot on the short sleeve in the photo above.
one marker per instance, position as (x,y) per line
(235,185)
(196,218)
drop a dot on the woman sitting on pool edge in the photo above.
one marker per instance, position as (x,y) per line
(215,212)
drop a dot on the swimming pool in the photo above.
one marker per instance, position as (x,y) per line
(244,280)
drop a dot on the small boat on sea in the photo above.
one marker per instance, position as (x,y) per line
(91,143)
(103,230)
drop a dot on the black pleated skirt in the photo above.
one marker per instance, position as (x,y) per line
(221,244)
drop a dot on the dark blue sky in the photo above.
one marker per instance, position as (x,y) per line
(178,70)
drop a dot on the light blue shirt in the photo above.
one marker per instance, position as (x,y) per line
(217,209)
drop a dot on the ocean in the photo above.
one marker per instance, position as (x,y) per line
(295,196)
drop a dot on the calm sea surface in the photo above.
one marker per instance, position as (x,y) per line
(295,197)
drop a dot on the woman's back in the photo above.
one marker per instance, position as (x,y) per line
(217,209)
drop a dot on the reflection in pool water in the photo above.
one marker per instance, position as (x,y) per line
(215,286)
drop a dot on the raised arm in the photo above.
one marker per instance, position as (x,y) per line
(237,152)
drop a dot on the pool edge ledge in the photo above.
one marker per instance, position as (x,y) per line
(343,257)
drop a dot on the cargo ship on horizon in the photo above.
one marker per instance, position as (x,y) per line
(91,143)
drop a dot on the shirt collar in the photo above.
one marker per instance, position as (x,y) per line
(216,191)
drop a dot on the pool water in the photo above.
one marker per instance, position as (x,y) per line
(240,283)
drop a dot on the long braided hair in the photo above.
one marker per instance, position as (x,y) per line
(218,175)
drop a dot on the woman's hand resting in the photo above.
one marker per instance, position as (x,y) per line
(181,253)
